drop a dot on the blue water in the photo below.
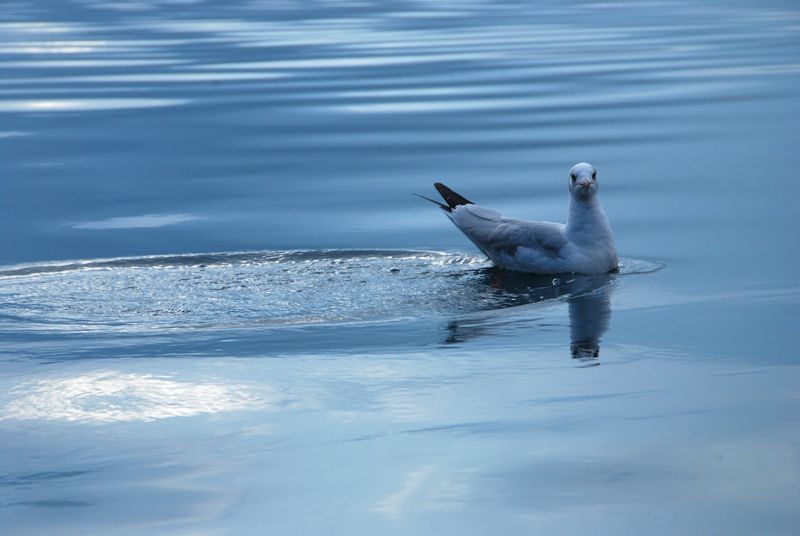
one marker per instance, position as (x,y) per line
(223,312)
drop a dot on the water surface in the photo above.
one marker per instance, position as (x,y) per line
(222,311)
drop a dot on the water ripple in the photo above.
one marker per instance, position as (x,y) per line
(270,288)
(518,59)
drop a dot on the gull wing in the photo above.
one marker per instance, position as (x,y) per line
(502,239)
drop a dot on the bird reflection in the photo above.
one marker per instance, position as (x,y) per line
(589,315)
(588,299)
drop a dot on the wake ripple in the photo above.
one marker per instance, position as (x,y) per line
(271,288)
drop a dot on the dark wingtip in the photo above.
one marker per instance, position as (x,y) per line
(435,202)
(453,199)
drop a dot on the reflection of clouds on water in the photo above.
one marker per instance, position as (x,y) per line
(394,504)
(107,397)
(145,221)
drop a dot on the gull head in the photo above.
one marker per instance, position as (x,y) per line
(583,181)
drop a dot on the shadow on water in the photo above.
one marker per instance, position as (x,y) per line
(588,298)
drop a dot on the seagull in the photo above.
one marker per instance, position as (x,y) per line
(585,245)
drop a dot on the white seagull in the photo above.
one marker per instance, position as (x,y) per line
(585,245)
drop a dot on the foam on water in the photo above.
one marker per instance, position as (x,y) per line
(270,288)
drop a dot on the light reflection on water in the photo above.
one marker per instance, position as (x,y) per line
(110,396)
(59,105)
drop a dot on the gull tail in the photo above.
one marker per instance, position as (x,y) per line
(453,199)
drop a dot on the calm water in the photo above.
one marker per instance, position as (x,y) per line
(222,312)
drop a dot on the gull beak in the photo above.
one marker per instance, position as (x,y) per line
(586,183)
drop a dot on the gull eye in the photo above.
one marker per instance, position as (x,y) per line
(594,175)
(573,177)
